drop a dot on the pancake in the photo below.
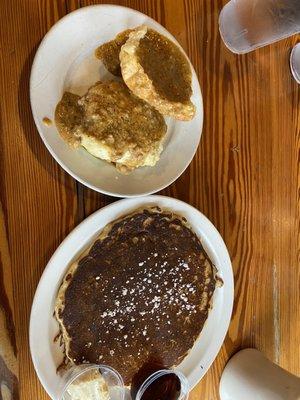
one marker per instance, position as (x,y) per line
(109,52)
(142,291)
(112,124)
(156,70)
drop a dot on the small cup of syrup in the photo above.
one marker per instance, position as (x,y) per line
(164,384)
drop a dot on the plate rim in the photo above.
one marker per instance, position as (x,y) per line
(227,312)
(39,128)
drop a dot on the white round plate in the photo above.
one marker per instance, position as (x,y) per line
(47,355)
(65,61)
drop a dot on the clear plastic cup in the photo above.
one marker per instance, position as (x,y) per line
(246,25)
(76,376)
(295,62)
(155,379)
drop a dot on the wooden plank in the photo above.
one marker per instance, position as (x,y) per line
(245,178)
(38,198)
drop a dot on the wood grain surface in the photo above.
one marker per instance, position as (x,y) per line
(245,177)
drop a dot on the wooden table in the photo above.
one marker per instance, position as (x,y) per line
(245,178)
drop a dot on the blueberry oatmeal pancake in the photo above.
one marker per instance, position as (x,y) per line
(142,290)
(153,67)
(156,70)
(112,124)
(109,52)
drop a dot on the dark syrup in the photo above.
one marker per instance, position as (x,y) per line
(167,387)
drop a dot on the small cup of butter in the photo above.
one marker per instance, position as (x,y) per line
(93,382)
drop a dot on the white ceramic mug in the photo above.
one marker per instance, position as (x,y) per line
(249,375)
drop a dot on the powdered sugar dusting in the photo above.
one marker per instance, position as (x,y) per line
(159,286)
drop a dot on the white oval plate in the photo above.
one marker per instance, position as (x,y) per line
(65,61)
(47,355)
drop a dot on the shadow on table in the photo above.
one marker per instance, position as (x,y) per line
(28,126)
